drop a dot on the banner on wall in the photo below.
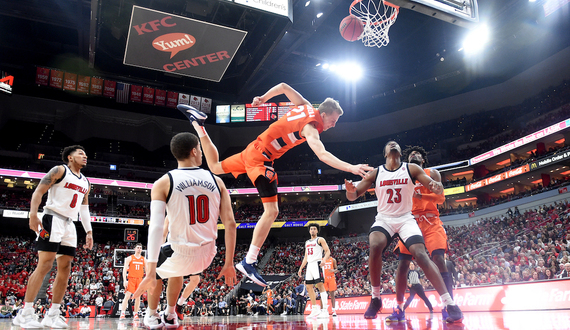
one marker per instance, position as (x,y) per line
(42,76)
(547,295)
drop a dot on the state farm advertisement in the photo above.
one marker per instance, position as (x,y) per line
(546,295)
(170,43)
(498,177)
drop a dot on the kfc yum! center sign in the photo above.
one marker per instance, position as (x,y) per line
(170,43)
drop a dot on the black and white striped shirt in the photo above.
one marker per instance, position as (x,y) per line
(413,277)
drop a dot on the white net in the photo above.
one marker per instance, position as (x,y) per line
(377,16)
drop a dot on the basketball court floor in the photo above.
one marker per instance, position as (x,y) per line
(558,319)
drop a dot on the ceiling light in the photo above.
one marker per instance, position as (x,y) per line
(476,40)
(307,3)
(325,66)
(319,15)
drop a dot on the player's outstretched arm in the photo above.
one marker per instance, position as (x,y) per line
(227,217)
(279,89)
(353,192)
(314,141)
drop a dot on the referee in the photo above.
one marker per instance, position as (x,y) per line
(416,288)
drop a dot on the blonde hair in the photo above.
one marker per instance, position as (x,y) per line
(329,106)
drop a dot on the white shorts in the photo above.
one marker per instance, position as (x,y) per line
(314,273)
(189,260)
(405,226)
(61,238)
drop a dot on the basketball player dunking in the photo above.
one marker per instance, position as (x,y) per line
(133,273)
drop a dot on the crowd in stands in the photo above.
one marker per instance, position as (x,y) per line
(514,247)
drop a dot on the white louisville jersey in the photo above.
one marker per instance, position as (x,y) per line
(192,206)
(395,191)
(314,250)
(66,195)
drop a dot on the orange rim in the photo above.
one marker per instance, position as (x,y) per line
(392,17)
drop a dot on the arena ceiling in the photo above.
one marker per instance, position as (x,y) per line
(421,63)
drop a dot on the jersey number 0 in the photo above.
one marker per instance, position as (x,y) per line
(199,208)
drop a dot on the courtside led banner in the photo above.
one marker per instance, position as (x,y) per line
(499,177)
(522,141)
(170,43)
(546,295)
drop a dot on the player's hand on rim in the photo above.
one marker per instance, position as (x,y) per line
(229,273)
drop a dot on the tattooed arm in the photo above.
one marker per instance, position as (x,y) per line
(47,181)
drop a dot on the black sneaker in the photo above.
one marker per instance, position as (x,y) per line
(179,309)
(454,314)
(192,114)
(373,309)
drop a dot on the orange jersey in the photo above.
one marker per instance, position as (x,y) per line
(136,267)
(421,206)
(328,266)
(285,133)
(269,296)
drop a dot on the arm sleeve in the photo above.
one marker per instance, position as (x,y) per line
(85,218)
(155,229)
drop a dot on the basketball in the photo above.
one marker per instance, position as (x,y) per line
(351,28)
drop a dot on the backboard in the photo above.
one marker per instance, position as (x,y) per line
(459,12)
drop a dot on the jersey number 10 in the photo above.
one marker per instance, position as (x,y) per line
(199,208)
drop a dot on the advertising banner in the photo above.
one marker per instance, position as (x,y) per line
(499,177)
(520,142)
(180,45)
(550,160)
(546,295)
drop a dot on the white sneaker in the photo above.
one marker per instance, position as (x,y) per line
(284,314)
(324,314)
(314,312)
(334,313)
(169,320)
(27,320)
(152,321)
(54,321)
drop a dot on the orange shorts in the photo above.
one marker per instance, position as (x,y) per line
(250,161)
(434,235)
(133,284)
(330,284)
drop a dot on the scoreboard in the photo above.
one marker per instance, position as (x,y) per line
(262,112)
(266,112)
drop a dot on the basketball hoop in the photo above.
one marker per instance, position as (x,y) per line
(378,17)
